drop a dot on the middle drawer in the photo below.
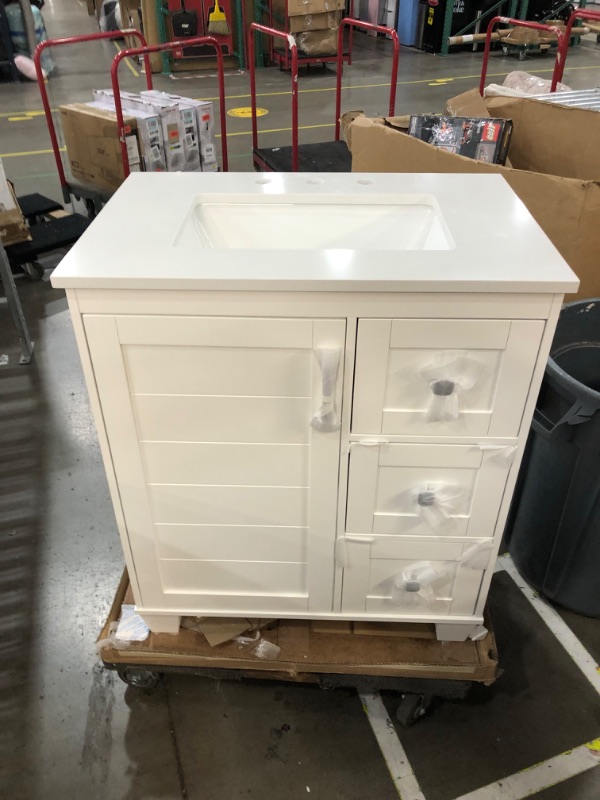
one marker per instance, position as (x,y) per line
(427,489)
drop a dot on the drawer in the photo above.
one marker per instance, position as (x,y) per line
(426,489)
(423,377)
(410,577)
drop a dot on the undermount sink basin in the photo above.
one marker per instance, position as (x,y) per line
(348,224)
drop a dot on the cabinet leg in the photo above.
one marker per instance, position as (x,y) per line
(162,623)
(454,631)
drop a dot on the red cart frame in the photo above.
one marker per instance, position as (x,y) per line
(144,51)
(368,26)
(254,28)
(291,45)
(520,23)
(563,49)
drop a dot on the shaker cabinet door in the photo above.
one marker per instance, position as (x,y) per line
(224,433)
(428,377)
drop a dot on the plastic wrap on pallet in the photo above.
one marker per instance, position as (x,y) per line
(435,502)
(522,84)
(449,377)
(326,419)
(318,43)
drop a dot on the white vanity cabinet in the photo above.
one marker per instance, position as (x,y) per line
(312,392)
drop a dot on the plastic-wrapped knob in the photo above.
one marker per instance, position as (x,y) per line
(412,586)
(426,498)
(442,388)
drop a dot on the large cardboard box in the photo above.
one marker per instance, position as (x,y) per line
(318,43)
(315,22)
(13,227)
(555,169)
(299,7)
(93,148)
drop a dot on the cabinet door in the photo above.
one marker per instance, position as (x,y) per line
(422,377)
(404,579)
(427,489)
(229,493)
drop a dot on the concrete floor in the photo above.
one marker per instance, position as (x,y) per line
(70,730)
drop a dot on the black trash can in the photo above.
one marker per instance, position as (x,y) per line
(553,529)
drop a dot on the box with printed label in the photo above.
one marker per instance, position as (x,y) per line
(191,146)
(93,147)
(149,130)
(206,128)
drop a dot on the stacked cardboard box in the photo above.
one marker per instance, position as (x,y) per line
(314,25)
(13,227)
(164,132)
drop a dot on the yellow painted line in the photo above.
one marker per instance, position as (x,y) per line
(344,88)
(127,61)
(19,119)
(30,153)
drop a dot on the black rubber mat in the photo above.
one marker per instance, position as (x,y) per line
(320,157)
(35,205)
(48,236)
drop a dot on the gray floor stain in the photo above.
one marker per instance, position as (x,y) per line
(97,740)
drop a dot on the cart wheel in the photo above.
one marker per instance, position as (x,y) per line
(33,270)
(504,50)
(90,208)
(140,678)
(522,55)
(412,708)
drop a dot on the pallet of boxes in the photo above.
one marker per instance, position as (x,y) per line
(164,133)
(314,24)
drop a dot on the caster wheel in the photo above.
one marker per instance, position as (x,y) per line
(90,208)
(140,678)
(33,270)
(412,708)
(522,55)
(505,50)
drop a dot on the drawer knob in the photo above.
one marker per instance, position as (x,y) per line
(442,388)
(436,503)
(426,498)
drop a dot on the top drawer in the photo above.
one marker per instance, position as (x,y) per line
(422,377)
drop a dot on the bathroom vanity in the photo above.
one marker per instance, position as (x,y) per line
(312,392)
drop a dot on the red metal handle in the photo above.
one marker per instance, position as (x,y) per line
(368,26)
(157,48)
(255,27)
(563,49)
(37,56)
(519,23)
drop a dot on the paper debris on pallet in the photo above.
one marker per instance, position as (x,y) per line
(558,182)
(218,630)
(13,227)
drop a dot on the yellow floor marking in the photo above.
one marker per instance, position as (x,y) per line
(30,153)
(344,88)
(245,112)
(19,119)
(127,61)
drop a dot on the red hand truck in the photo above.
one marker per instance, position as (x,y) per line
(323,156)
(94,198)
(563,49)
(520,23)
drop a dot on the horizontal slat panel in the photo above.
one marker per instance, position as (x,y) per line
(231,464)
(415,424)
(223,419)
(219,371)
(408,525)
(426,455)
(222,542)
(234,577)
(238,605)
(382,606)
(229,505)
(216,331)
(471,334)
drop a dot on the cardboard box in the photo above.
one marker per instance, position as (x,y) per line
(205,118)
(557,178)
(318,43)
(315,22)
(296,8)
(191,136)
(13,227)
(149,131)
(171,124)
(93,147)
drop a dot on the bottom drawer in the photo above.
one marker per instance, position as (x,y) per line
(404,578)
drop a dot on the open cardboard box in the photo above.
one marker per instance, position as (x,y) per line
(554,167)
(13,227)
